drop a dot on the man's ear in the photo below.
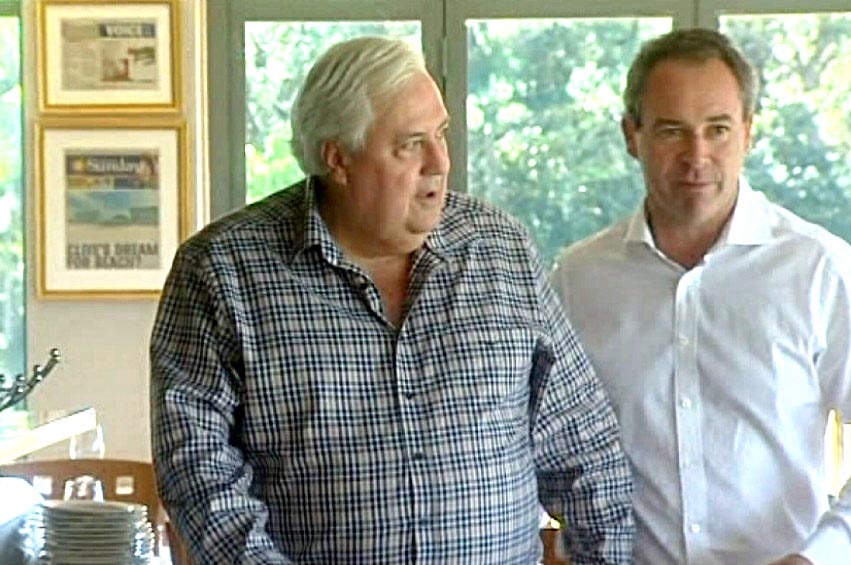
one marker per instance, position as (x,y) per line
(336,159)
(629,129)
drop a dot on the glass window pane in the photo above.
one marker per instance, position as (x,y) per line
(12,344)
(801,154)
(543,117)
(11,193)
(277,57)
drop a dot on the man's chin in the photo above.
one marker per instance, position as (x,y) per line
(423,224)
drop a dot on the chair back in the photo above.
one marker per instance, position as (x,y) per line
(123,481)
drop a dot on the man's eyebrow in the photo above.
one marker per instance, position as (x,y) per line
(667,122)
(407,135)
(721,118)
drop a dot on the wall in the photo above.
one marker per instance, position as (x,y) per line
(104,343)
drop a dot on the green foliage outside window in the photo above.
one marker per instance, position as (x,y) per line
(11,195)
(543,112)
(801,154)
(11,220)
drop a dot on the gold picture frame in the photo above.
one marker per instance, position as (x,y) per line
(112,206)
(99,56)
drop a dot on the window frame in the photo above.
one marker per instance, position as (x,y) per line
(459,11)
(443,24)
(10,8)
(710,11)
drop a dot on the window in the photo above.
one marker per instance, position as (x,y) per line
(12,294)
(543,114)
(534,91)
(801,155)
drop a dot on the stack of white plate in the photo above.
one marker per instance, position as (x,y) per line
(84,532)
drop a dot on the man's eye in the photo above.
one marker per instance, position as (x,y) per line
(670,133)
(720,130)
(411,144)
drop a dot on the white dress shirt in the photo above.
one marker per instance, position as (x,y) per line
(722,377)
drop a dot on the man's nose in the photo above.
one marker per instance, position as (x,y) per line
(436,160)
(695,151)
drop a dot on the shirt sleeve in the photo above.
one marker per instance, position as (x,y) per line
(202,476)
(830,544)
(583,474)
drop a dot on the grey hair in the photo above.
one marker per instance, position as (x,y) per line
(694,44)
(339,97)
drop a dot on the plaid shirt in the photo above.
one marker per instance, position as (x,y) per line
(292,423)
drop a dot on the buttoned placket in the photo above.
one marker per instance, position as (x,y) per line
(414,415)
(688,413)
(413,401)
(369,294)
(410,392)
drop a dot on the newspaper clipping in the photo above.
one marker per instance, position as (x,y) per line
(109,54)
(112,210)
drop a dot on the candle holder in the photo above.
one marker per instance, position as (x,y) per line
(15,390)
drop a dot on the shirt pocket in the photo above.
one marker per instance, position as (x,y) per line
(487,376)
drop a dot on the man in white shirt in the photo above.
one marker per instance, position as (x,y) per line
(720,325)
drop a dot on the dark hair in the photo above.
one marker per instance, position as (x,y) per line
(694,44)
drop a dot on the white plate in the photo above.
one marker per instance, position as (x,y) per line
(92,507)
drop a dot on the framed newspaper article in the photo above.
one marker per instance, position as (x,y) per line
(111,205)
(101,55)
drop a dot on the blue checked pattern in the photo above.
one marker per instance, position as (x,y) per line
(293,424)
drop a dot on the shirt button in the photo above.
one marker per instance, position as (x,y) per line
(695,528)
(685,402)
(418,456)
(683,340)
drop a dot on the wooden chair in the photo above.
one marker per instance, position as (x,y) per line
(123,481)
(552,550)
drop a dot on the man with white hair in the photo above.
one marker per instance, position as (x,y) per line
(365,368)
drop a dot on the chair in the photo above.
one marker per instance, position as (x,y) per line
(123,481)
(552,548)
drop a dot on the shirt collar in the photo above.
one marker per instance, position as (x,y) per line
(315,232)
(748,224)
(637,229)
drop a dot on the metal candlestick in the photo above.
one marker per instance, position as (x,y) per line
(17,389)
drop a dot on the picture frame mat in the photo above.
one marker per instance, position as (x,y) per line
(55,142)
(55,97)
